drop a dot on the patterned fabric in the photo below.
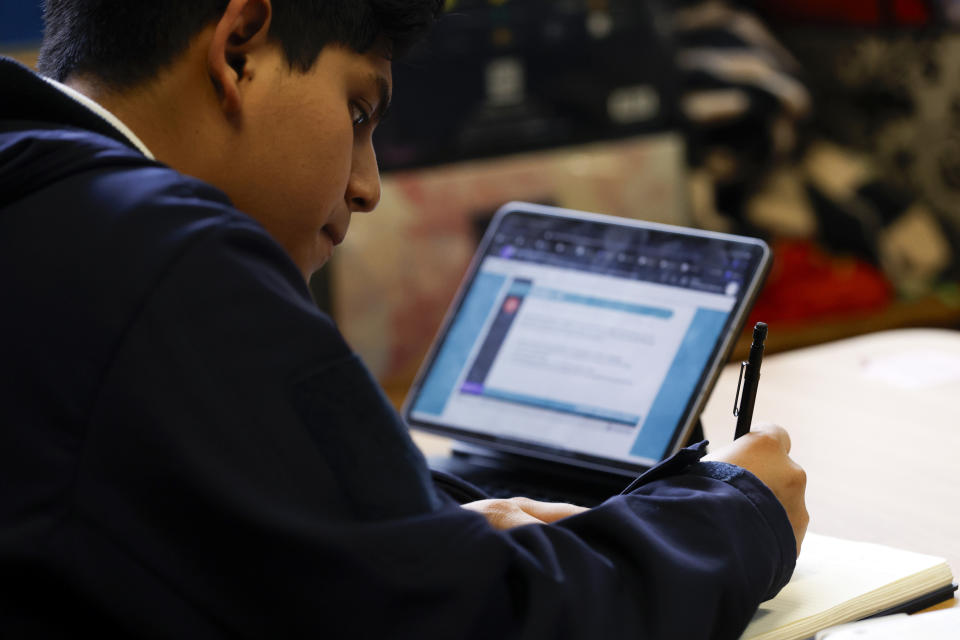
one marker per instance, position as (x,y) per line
(767,158)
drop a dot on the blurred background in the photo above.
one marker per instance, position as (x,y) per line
(830,128)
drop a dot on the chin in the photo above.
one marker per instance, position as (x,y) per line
(317,263)
(311,267)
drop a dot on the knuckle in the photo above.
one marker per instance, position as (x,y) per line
(777,435)
(801,477)
(767,441)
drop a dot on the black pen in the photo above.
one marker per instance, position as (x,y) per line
(749,379)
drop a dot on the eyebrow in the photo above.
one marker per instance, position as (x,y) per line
(383,105)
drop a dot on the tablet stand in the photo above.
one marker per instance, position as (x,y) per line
(464,450)
(503,474)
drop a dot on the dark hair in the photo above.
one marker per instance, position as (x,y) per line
(124,42)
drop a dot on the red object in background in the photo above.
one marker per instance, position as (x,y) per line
(806,284)
(868,13)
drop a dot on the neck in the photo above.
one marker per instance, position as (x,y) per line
(176,115)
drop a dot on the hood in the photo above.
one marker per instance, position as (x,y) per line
(39,154)
(46,136)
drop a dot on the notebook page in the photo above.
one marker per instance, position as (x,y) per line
(935,625)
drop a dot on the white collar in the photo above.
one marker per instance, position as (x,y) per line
(113,120)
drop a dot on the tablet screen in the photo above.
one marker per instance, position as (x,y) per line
(586,338)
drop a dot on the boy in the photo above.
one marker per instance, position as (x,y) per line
(188,448)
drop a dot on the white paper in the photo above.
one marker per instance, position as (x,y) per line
(914,369)
(935,625)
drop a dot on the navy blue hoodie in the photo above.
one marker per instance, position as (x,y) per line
(189,449)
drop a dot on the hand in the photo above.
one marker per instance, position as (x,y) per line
(763,452)
(507,513)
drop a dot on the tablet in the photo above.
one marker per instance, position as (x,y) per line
(585,339)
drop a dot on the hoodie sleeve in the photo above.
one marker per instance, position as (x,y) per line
(247,476)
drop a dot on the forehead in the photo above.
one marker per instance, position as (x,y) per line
(371,65)
(378,64)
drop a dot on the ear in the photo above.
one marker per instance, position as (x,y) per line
(240,31)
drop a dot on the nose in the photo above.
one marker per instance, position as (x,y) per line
(363,190)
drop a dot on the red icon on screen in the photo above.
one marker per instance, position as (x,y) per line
(510,304)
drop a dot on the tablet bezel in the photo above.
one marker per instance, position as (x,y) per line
(698,399)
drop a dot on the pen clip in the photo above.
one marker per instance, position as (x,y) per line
(736,397)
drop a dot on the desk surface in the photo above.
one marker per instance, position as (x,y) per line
(875,421)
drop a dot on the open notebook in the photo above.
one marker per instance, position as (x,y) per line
(839,581)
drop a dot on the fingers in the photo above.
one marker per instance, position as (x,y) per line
(547,511)
(765,453)
(503,514)
(769,438)
(774,431)
(780,434)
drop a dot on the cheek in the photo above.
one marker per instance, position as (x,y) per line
(314,177)
(327,173)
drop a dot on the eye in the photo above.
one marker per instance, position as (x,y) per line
(358,114)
